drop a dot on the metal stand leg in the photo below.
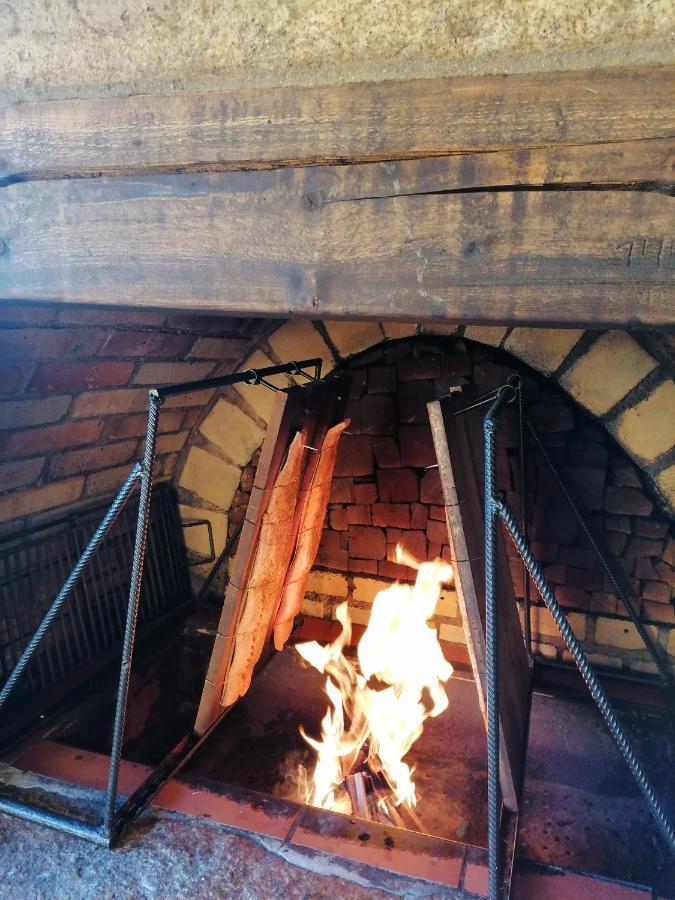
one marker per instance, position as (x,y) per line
(588,674)
(492,645)
(132,611)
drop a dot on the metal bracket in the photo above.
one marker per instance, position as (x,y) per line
(114,817)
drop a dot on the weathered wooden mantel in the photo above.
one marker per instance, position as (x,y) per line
(531,199)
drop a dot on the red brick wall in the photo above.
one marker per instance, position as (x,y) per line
(384,491)
(73,395)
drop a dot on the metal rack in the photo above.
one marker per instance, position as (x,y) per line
(115,818)
(497,509)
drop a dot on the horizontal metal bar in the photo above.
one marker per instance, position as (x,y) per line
(94,833)
(251,376)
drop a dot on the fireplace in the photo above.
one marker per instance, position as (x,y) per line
(386,507)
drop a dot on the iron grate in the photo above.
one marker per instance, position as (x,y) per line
(34,567)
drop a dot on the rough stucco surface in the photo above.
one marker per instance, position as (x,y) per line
(88,47)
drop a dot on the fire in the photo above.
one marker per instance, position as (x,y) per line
(377,711)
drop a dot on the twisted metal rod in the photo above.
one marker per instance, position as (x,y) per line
(70,582)
(587,673)
(132,610)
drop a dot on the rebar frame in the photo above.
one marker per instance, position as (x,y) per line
(115,819)
(496,509)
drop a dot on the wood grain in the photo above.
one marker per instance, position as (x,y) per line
(458,444)
(387,120)
(258,243)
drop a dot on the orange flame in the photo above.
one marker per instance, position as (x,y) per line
(383,704)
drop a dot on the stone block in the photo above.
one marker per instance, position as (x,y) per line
(437,531)
(453,634)
(417,446)
(437,513)
(321,582)
(63,377)
(639,546)
(419,368)
(359,616)
(332,557)
(647,429)
(587,453)
(352,337)
(572,597)
(419,514)
(430,488)
(92,459)
(411,542)
(586,485)
(393,515)
(338,519)
(627,501)
(542,348)
(20,472)
(603,602)
(156,373)
(653,611)
(665,482)
(40,411)
(397,485)
(668,555)
(447,604)
(670,643)
(367,542)
(220,349)
(382,380)
(456,366)
(579,557)
(196,536)
(625,476)
(615,542)
(555,574)
(613,365)
(618,523)
(650,528)
(665,573)
(364,566)
(412,399)
(485,334)
(147,344)
(40,499)
(210,477)
(299,339)
(366,589)
(377,414)
(544,553)
(552,418)
(365,493)
(396,572)
(342,490)
(583,579)
(354,456)
(397,330)
(259,398)
(561,528)
(644,569)
(313,608)
(232,431)
(617,633)
(359,514)
(543,624)
(656,592)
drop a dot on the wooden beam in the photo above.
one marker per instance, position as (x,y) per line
(330,242)
(300,126)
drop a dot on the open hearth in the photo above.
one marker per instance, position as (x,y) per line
(386,492)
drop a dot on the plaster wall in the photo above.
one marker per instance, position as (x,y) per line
(70,48)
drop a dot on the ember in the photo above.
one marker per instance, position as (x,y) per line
(377,710)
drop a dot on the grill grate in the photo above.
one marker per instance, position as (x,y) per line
(91,623)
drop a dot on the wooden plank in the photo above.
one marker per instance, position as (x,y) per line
(253,243)
(457,440)
(310,407)
(386,120)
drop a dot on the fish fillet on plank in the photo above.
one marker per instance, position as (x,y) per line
(312,507)
(275,545)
